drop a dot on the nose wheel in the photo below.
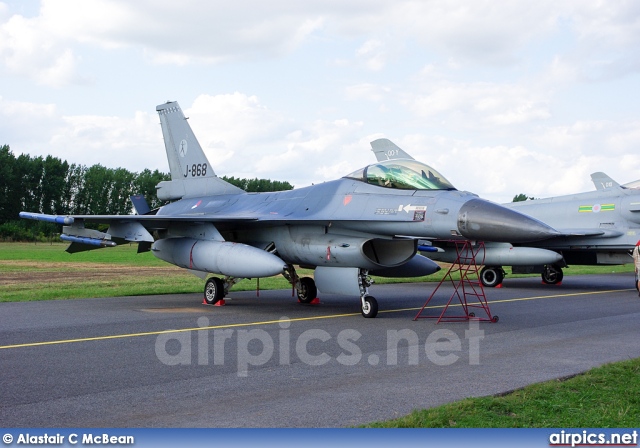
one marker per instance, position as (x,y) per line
(369,307)
(369,303)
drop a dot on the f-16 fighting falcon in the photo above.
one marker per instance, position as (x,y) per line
(346,229)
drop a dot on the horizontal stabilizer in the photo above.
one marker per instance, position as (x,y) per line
(140,204)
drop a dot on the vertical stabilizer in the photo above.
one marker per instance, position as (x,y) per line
(385,149)
(603,182)
(186,157)
(191,172)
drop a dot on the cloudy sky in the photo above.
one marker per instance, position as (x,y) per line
(500,97)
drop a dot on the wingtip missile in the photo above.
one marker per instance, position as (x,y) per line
(65,220)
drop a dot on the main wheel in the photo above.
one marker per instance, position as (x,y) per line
(370,307)
(491,276)
(552,274)
(308,290)
(213,290)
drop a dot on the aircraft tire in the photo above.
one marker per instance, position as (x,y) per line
(213,290)
(370,307)
(552,274)
(308,290)
(491,276)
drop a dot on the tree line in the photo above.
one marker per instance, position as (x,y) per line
(54,186)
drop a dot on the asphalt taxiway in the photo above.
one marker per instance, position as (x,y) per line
(267,361)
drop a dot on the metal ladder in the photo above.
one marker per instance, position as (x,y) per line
(468,288)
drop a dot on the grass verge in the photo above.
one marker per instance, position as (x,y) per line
(604,397)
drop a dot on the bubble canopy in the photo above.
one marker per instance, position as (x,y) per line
(404,174)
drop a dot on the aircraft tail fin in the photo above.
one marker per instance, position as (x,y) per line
(191,173)
(385,149)
(603,182)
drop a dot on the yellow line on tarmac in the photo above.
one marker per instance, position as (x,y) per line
(574,294)
(520,299)
(271,322)
(182,330)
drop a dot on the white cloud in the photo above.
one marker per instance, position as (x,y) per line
(478,90)
(41,129)
(244,138)
(374,54)
(367,91)
(28,48)
(186,31)
(114,142)
(480,32)
(471,104)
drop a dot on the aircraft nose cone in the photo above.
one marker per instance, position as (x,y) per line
(486,221)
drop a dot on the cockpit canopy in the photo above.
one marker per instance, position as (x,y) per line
(404,174)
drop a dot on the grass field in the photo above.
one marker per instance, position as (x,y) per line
(44,271)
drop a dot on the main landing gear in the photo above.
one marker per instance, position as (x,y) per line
(491,276)
(216,288)
(552,274)
(307,291)
(305,286)
(213,290)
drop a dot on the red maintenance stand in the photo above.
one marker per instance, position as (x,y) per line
(468,289)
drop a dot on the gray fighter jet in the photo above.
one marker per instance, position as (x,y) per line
(346,229)
(596,228)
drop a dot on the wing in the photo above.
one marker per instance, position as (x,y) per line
(122,228)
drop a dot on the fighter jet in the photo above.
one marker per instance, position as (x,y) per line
(595,228)
(598,227)
(346,229)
